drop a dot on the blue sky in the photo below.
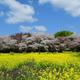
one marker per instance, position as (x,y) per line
(48,16)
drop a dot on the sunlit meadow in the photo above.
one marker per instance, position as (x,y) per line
(44,66)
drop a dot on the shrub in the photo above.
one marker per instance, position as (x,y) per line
(11,53)
(63,33)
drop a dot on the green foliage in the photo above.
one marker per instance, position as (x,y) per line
(71,39)
(11,53)
(63,33)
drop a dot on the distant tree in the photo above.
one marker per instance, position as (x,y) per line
(63,33)
(18,36)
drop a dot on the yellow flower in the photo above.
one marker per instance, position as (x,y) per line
(7,74)
(23,75)
(2,73)
(40,77)
(54,77)
(19,72)
(33,73)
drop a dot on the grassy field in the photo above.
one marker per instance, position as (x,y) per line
(44,66)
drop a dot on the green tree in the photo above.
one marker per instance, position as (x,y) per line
(63,33)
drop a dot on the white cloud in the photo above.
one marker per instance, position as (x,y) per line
(25,29)
(40,28)
(30,2)
(72,27)
(37,13)
(1,13)
(19,12)
(70,6)
(31,29)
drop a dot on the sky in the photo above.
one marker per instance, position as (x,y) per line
(30,16)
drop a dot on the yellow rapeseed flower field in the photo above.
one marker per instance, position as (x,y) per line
(34,66)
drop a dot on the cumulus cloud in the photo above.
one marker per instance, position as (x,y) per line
(25,29)
(29,29)
(19,12)
(30,2)
(1,13)
(70,6)
(40,28)
(73,28)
